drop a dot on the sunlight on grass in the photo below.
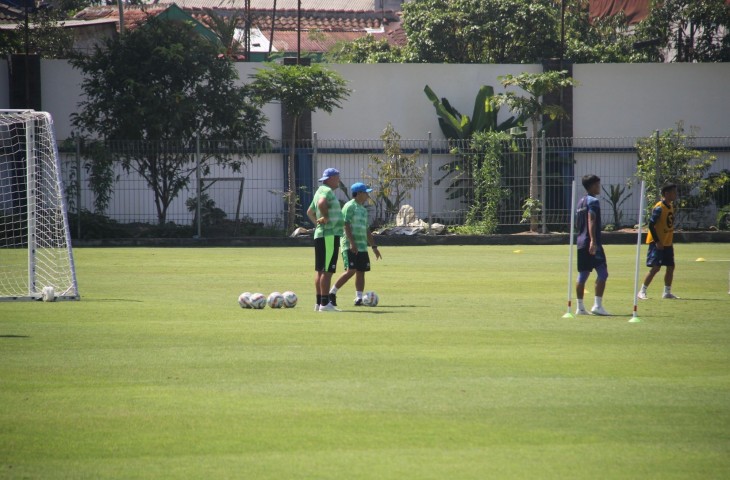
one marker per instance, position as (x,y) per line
(465,370)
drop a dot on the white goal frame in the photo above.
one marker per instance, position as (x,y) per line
(35,240)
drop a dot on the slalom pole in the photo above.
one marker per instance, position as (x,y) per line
(569,313)
(635,317)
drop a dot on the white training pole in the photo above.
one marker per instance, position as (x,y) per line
(569,313)
(635,317)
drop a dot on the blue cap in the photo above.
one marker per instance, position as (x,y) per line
(329,172)
(360,187)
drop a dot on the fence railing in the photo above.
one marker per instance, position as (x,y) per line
(242,186)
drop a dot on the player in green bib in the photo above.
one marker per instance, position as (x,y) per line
(355,243)
(325,213)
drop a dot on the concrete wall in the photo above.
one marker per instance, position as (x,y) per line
(613,100)
(633,100)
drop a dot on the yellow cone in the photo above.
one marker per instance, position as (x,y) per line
(517,251)
(700,260)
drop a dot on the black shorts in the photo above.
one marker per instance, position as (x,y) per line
(359,261)
(660,258)
(325,253)
(587,262)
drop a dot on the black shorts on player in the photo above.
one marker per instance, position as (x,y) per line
(660,258)
(587,262)
(325,261)
(359,261)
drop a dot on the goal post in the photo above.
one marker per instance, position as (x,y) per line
(35,240)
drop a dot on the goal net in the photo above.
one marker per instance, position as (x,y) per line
(35,244)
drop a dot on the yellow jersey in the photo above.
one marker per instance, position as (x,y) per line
(662,219)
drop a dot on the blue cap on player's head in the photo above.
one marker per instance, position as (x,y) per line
(329,172)
(360,187)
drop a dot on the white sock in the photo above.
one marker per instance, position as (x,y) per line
(599,301)
(667,289)
(643,288)
(358,295)
(580,304)
(333,290)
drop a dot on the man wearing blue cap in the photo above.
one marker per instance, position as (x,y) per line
(325,213)
(355,243)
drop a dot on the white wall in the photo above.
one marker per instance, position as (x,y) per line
(613,100)
(634,100)
(60,93)
(393,93)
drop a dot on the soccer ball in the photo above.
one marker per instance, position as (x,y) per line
(290,299)
(49,295)
(276,300)
(258,300)
(244,300)
(370,299)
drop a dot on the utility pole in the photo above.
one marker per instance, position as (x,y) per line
(299,31)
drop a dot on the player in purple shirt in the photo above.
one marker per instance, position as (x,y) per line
(590,250)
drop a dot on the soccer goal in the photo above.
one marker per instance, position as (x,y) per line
(35,243)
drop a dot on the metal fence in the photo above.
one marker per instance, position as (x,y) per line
(254,194)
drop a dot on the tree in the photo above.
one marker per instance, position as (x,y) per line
(365,50)
(688,30)
(481,31)
(299,89)
(393,176)
(681,163)
(45,37)
(460,130)
(488,189)
(536,85)
(224,28)
(154,89)
(599,40)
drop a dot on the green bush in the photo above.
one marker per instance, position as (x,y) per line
(723,218)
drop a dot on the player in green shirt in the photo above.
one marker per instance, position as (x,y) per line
(325,213)
(355,243)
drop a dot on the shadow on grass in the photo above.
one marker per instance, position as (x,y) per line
(14,336)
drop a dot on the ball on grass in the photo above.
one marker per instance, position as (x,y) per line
(275,300)
(370,299)
(258,300)
(48,294)
(244,300)
(290,299)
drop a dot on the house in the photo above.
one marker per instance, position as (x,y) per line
(136,15)
(314,29)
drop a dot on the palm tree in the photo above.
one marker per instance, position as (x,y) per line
(537,85)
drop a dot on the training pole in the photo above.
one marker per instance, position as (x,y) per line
(635,316)
(569,313)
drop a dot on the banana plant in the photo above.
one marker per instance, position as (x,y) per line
(459,128)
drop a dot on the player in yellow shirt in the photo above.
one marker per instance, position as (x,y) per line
(661,250)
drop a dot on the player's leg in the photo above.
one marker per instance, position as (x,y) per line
(654,262)
(584,270)
(349,266)
(668,262)
(319,263)
(601,277)
(332,247)
(362,265)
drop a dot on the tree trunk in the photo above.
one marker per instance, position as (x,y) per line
(291,194)
(533,176)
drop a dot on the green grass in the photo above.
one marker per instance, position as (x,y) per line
(466,370)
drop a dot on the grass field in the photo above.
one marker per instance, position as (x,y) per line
(465,370)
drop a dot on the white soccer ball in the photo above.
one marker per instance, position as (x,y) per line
(370,299)
(258,300)
(275,300)
(244,300)
(290,299)
(49,294)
